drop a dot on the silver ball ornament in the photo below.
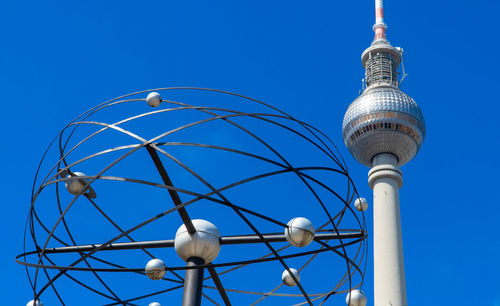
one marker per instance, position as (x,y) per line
(300,232)
(288,279)
(74,184)
(204,243)
(154,304)
(153,99)
(361,204)
(155,269)
(33,303)
(357,298)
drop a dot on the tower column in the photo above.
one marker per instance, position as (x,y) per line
(385,178)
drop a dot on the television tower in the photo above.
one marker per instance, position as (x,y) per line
(384,129)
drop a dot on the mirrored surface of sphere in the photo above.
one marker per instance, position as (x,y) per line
(300,232)
(155,269)
(356,298)
(288,279)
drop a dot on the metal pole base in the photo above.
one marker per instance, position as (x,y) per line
(193,283)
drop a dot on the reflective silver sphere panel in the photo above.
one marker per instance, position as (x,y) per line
(383,120)
(143,172)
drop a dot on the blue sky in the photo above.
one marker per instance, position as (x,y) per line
(60,58)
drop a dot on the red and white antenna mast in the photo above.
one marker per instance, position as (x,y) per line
(379,27)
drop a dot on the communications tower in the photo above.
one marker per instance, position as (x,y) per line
(384,129)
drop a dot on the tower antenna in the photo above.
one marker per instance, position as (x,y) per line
(379,27)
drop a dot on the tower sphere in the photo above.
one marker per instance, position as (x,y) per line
(288,279)
(204,243)
(33,303)
(155,269)
(300,232)
(357,298)
(383,120)
(154,304)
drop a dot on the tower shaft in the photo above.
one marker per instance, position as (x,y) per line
(385,179)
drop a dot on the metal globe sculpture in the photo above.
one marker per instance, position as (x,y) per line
(155,172)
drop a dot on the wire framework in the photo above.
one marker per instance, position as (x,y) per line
(58,256)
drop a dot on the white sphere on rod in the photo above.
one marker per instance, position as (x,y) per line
(361,204)
(153,99)
(356,298)
(154,304)
(155,269)
(300,232)
(33,303)
(74,184)
(288,279)
(204,243)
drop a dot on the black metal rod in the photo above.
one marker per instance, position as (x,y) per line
(193,283)
(170,243)
(173,194)
(218,284)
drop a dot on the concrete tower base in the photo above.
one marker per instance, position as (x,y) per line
(385,179)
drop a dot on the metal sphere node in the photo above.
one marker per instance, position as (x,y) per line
(33,303)
(74,184)
(154,99)
(155,269)
(356,298)
(383,120)
(300,232)
(204,243)
(154,304)
(240,163)
(361,204)
(288,279)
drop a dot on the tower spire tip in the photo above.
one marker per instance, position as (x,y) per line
(379,27)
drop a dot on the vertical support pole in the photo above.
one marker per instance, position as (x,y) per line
(385,179)
(193,283)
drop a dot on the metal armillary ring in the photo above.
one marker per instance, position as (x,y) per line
(115,191)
